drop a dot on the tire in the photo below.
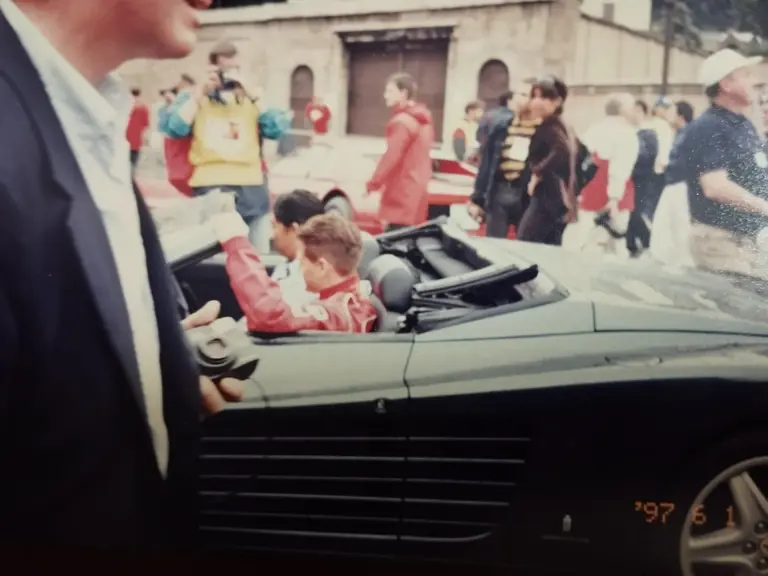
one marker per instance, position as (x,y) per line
(699,474)
(341,206)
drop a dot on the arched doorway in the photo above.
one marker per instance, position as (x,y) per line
(492,82)
(302,91)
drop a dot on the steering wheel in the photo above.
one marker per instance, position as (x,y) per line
(184,253)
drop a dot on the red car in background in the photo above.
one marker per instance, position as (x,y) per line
(337,173)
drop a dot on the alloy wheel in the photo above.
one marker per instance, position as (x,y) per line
(726,529)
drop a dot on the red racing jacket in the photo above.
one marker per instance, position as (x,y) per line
(404,171)
(340,308)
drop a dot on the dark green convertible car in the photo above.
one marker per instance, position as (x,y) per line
(518,409)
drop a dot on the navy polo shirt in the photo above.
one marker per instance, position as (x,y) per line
(723,140)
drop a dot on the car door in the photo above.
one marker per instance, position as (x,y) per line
(484,478)
(327,447)
(208,280)
(531,449)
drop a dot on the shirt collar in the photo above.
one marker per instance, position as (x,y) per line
(349,284)
(728,115)
(105,106)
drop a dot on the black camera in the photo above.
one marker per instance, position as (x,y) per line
(223,349)
(226,83)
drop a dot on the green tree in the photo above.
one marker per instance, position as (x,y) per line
(743,15)
(756,16)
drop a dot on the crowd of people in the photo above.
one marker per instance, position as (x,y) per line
(213,134)
(100,399)
(597,192)
(641,181)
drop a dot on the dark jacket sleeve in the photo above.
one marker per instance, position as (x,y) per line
(550,151)
(646,158)
(675,171)
(489,160)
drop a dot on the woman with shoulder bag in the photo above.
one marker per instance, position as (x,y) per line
(551,162)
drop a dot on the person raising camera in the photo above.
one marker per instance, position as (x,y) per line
(222,118)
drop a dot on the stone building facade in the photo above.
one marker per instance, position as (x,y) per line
(459,50)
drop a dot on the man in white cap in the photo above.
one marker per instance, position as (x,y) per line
(726,170)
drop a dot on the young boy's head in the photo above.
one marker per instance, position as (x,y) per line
(288,214)
(330,248)
(474,111)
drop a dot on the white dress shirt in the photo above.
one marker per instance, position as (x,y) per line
(94,120)
(292,284)
(614,140)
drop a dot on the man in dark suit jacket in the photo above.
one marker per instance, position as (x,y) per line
(81,463)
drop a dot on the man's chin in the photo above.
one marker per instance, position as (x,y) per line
(177,45)
(183,46)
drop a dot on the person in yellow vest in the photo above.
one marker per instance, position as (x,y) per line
(223,120)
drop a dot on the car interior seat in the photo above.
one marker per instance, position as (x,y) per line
(392,283)
(371,250)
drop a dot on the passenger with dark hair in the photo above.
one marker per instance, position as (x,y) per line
(289,212)
(404,171)
(329,251)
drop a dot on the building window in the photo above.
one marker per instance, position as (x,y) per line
(492,82)
(609,9)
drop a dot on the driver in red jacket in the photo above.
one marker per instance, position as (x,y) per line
(329,252)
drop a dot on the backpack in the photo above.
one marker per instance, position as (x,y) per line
(585,168)
(273,123)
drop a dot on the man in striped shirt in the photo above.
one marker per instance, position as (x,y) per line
(499,197)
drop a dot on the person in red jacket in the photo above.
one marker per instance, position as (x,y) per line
(404,172)
(176,150)
(319,115)
(329,252)
(137,124)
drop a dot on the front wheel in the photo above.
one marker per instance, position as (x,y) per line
(340,206)
(726,528)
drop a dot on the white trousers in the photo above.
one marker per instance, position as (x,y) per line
(671,228)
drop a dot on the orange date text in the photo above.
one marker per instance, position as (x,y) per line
(657,512)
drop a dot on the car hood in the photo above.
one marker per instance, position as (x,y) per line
(642,295)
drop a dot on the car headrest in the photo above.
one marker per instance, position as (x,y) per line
(392,281)
(370,251)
